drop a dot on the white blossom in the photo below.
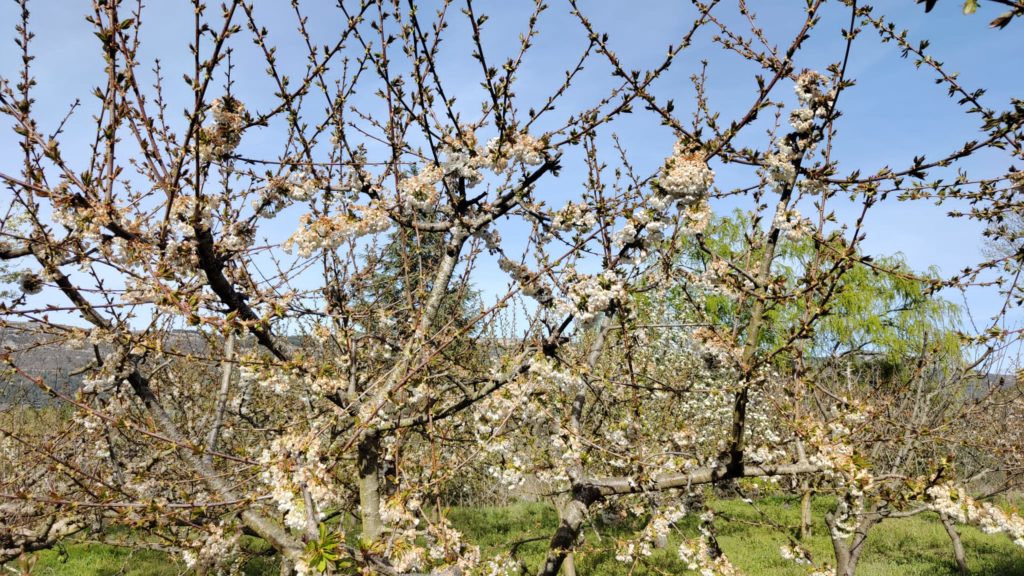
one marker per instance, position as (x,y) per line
(685,177)
(325,232)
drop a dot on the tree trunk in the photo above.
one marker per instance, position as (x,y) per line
(569,565)
(839,546)
(958,547)
(805,513)
(572,516)
(369,486)
(848,550)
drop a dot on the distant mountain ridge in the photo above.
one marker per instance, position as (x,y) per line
(61,366)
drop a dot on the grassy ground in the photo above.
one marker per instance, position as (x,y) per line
(915,546)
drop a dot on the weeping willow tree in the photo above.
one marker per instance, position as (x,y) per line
(886,336)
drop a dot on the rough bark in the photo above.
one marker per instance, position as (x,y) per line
(573,515)
(369,486)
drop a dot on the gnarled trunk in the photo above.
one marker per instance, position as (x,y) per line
(571,522)
(849,549)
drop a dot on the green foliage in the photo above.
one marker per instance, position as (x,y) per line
(325,552)
(881,307)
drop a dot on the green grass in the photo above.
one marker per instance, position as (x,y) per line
(96,559)
(916,546)
(104,560)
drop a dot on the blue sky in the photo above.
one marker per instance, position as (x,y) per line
(893,114)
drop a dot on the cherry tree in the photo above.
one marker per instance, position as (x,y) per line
(309,303)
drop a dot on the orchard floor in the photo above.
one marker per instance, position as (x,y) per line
(915,546)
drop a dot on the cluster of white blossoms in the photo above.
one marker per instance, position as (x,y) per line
(447,547)
(578,216)
(778,166)
(236,237)
(492,413)
(293,463)
(720,348)
(220,139)
(791,223)
(497,156)
(954,502)
(298,187)
(684,180)
(696,218)
(98,383)
(657,529)
(185,211)
(281,191)
(501,565)
(526,400)
(811,93)
(698,555)
(400,516)
(628,550)
(589,295)
(837,459)
(415,546)
(277,381)
(419,191)
(544,370)
(326,232)
(718,277)
(794,553)
(467,162)
(523,148)
(814,101)
(802,120)
(465,165)
(218,549)
(87,220)
(510,475)
(646,225)
(685,177)
(834,451)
